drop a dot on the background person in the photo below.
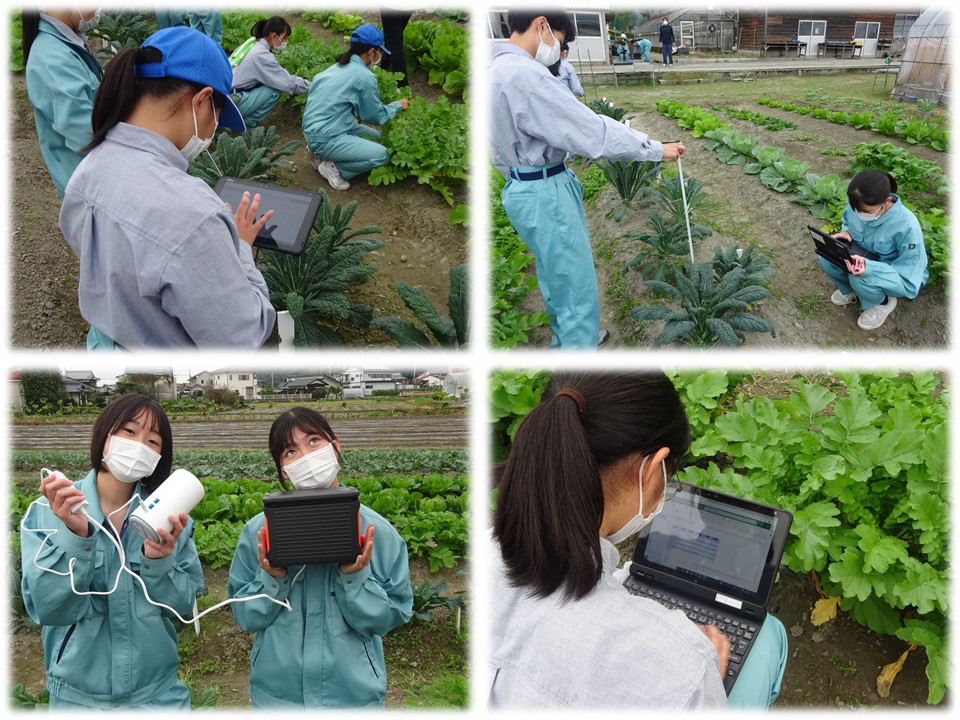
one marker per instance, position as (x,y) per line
(623,50)
(876,219)
(163,262)
(394,22)
(567,74)
(258,79)
(113,651)
(590,466)
(169,17)
(209,22)
(667,40)
(643,47)
(543,199)
(340,96)
(327,652)
(62,78)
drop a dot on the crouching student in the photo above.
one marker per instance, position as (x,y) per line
(877,220)
(104,645)
(340,96)
(328,652)
(258,79)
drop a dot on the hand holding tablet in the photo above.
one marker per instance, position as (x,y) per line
(287,217)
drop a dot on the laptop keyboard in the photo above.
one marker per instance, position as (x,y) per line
(739,632)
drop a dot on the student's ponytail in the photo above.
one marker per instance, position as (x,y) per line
(355,49)
(550,504)
(275,24)
(30,22)
(120,90)
(551,500)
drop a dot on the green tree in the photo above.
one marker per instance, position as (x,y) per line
(43,388)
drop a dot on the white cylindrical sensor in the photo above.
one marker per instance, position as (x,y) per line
(179,493)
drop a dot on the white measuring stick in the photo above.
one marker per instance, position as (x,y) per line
(686,210)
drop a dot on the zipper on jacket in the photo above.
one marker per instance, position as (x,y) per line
(370,660)
(66,639)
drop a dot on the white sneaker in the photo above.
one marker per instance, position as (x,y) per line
(874,317)
(838,298)
(333,176)
(315,161)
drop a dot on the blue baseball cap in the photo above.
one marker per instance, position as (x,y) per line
(368,34)
(190,55)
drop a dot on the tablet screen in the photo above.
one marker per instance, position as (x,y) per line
(293,212)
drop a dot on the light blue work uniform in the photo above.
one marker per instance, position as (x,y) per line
(623,52)
(112,651)
(611,649)
(534,122)
(161,264)
(569,78)
(62,80)
(169,17)
(902,268)
(327,652)
(339,97)
(209,22)
(643,47)
(258,82)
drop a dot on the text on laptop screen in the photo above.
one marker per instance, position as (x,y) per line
(702,538)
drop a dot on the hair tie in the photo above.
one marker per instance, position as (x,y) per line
(577,398)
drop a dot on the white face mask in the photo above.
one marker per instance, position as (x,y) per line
(317,470)
(870,217)
(88,25)
(280,48)
(129,460)
(638,521)
(547,55)
(195,145)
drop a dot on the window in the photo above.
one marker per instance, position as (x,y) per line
(499,30)
(866,30)
(902,24)
(243,377)
(587,24)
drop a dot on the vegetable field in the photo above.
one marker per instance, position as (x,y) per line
(423,493)
(385,266)
(764,159)
(860,459)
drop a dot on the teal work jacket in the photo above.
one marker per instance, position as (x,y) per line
(897,238)
(327,652)
(62,80)
(339,97)
(111,651)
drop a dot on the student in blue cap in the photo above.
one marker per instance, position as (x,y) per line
(340,96)
(258,79)
(543,199)
(328,652)
(62,80)
(164,263)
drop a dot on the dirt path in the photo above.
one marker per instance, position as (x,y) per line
(436,433)
(419,243)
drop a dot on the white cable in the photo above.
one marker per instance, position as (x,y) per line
(123,563)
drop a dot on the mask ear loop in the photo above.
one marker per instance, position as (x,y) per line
(215,126)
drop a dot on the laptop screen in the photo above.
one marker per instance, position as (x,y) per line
(714,545)
(706,539)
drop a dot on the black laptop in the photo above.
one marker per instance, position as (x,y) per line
(837,250)
(715,557)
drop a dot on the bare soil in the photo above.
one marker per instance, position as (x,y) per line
(741,211)
(419,243)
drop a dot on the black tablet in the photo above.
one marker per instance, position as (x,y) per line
(293,212)
(837,250)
